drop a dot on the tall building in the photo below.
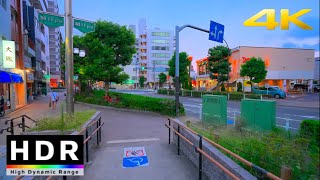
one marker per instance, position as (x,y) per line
(42,61)
(156,48)
(54,49)
(133,69)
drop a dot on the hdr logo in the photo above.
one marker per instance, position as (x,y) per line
(45,155)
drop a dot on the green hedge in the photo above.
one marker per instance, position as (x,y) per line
(132,101)
(232,96)
(311,129)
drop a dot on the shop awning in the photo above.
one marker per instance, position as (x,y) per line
(9,77)
(16,78)
(5,77)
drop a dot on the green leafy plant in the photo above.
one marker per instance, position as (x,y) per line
(162,78)
(255,69)
(142,79)
(184,64)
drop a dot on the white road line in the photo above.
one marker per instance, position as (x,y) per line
(192,110)
(190,105)
(195,100)
(132,140)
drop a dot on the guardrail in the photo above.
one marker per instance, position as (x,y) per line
(21,125)
(201,152)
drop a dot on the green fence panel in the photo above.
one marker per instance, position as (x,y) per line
(258,114)
(214,109)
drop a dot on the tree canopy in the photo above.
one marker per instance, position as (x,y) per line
(109,46)
(184,63)
(255,69)
(218,63)
(162,78)
(142,79)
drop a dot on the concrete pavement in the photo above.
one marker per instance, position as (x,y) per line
(124,129)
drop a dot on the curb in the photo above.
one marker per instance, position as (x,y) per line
(118,109)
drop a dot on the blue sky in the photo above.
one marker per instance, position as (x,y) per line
(166,14)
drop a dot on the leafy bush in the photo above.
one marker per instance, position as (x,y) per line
(310,129)
(68,122)
(132,101)
(270,150)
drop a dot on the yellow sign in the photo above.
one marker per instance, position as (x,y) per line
(246,83)
(9,54)
(285,19)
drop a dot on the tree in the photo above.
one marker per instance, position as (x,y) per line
(162,78)
(218,63)
(184,63)
(255,69)
(109,46)
(142,79)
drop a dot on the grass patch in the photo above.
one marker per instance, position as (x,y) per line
(68,122)
(270,150)
(131,101)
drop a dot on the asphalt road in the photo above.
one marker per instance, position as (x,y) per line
(290,116)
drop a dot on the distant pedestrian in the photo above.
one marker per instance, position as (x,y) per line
(54,98)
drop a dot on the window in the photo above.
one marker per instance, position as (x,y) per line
(161,62)
(161,34)
(165,48)
(161,55)
(3,3)
(160,41)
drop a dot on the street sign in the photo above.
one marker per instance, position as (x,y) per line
(84,26)
(216,32)
(52,21)
(134,157)
(9,54)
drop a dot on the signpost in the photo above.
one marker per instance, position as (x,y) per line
(52,21)
(83,25)
(216,32)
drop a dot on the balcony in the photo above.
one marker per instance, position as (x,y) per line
(143,54)
(143,47)
(143,40)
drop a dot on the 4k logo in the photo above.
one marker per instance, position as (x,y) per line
(285,19)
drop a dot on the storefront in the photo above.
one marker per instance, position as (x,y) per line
(10,86)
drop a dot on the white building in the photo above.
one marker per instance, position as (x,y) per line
(316,69)
(156,48)
(54,46)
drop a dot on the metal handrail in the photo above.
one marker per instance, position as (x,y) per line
(89,137)
(248,163)
(205,154)
(21,125)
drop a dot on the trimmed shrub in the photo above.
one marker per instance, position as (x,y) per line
(133,101)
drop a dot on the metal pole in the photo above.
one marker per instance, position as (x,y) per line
(87,146)
(23,124)
(200,158)
(169,131)
(177,71)
(69,56)
(178,140)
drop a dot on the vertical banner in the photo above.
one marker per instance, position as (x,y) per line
(9,54)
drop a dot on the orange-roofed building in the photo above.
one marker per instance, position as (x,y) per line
(285,66)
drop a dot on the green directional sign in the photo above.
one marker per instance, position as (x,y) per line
(84,26)
(52,21)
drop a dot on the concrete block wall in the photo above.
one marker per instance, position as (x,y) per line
(209,169)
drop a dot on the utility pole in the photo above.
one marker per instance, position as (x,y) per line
(154,75)
(69,56)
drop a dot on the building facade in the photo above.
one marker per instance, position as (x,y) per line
(54,49)
(156,48)
(12,78)
(316,70)
(40,35)
(285,66)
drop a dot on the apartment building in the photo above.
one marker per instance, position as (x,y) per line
(56,75)
(156,48)
(40,36)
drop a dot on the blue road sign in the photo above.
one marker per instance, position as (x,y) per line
(216,32)
(135,161)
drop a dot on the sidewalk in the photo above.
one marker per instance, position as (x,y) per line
(123,129)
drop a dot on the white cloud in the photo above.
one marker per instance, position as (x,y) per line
(298,42)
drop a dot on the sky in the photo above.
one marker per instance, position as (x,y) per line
(166,14)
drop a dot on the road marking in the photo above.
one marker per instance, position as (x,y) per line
(192,110)
(195,100)
(190,105)
(132,140)
(134,157)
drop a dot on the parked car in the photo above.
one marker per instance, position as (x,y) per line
(303,87)
(273,91)
(316,88)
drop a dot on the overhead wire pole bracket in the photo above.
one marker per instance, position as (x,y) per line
(177,82)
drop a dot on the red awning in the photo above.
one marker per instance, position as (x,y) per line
(53,80)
